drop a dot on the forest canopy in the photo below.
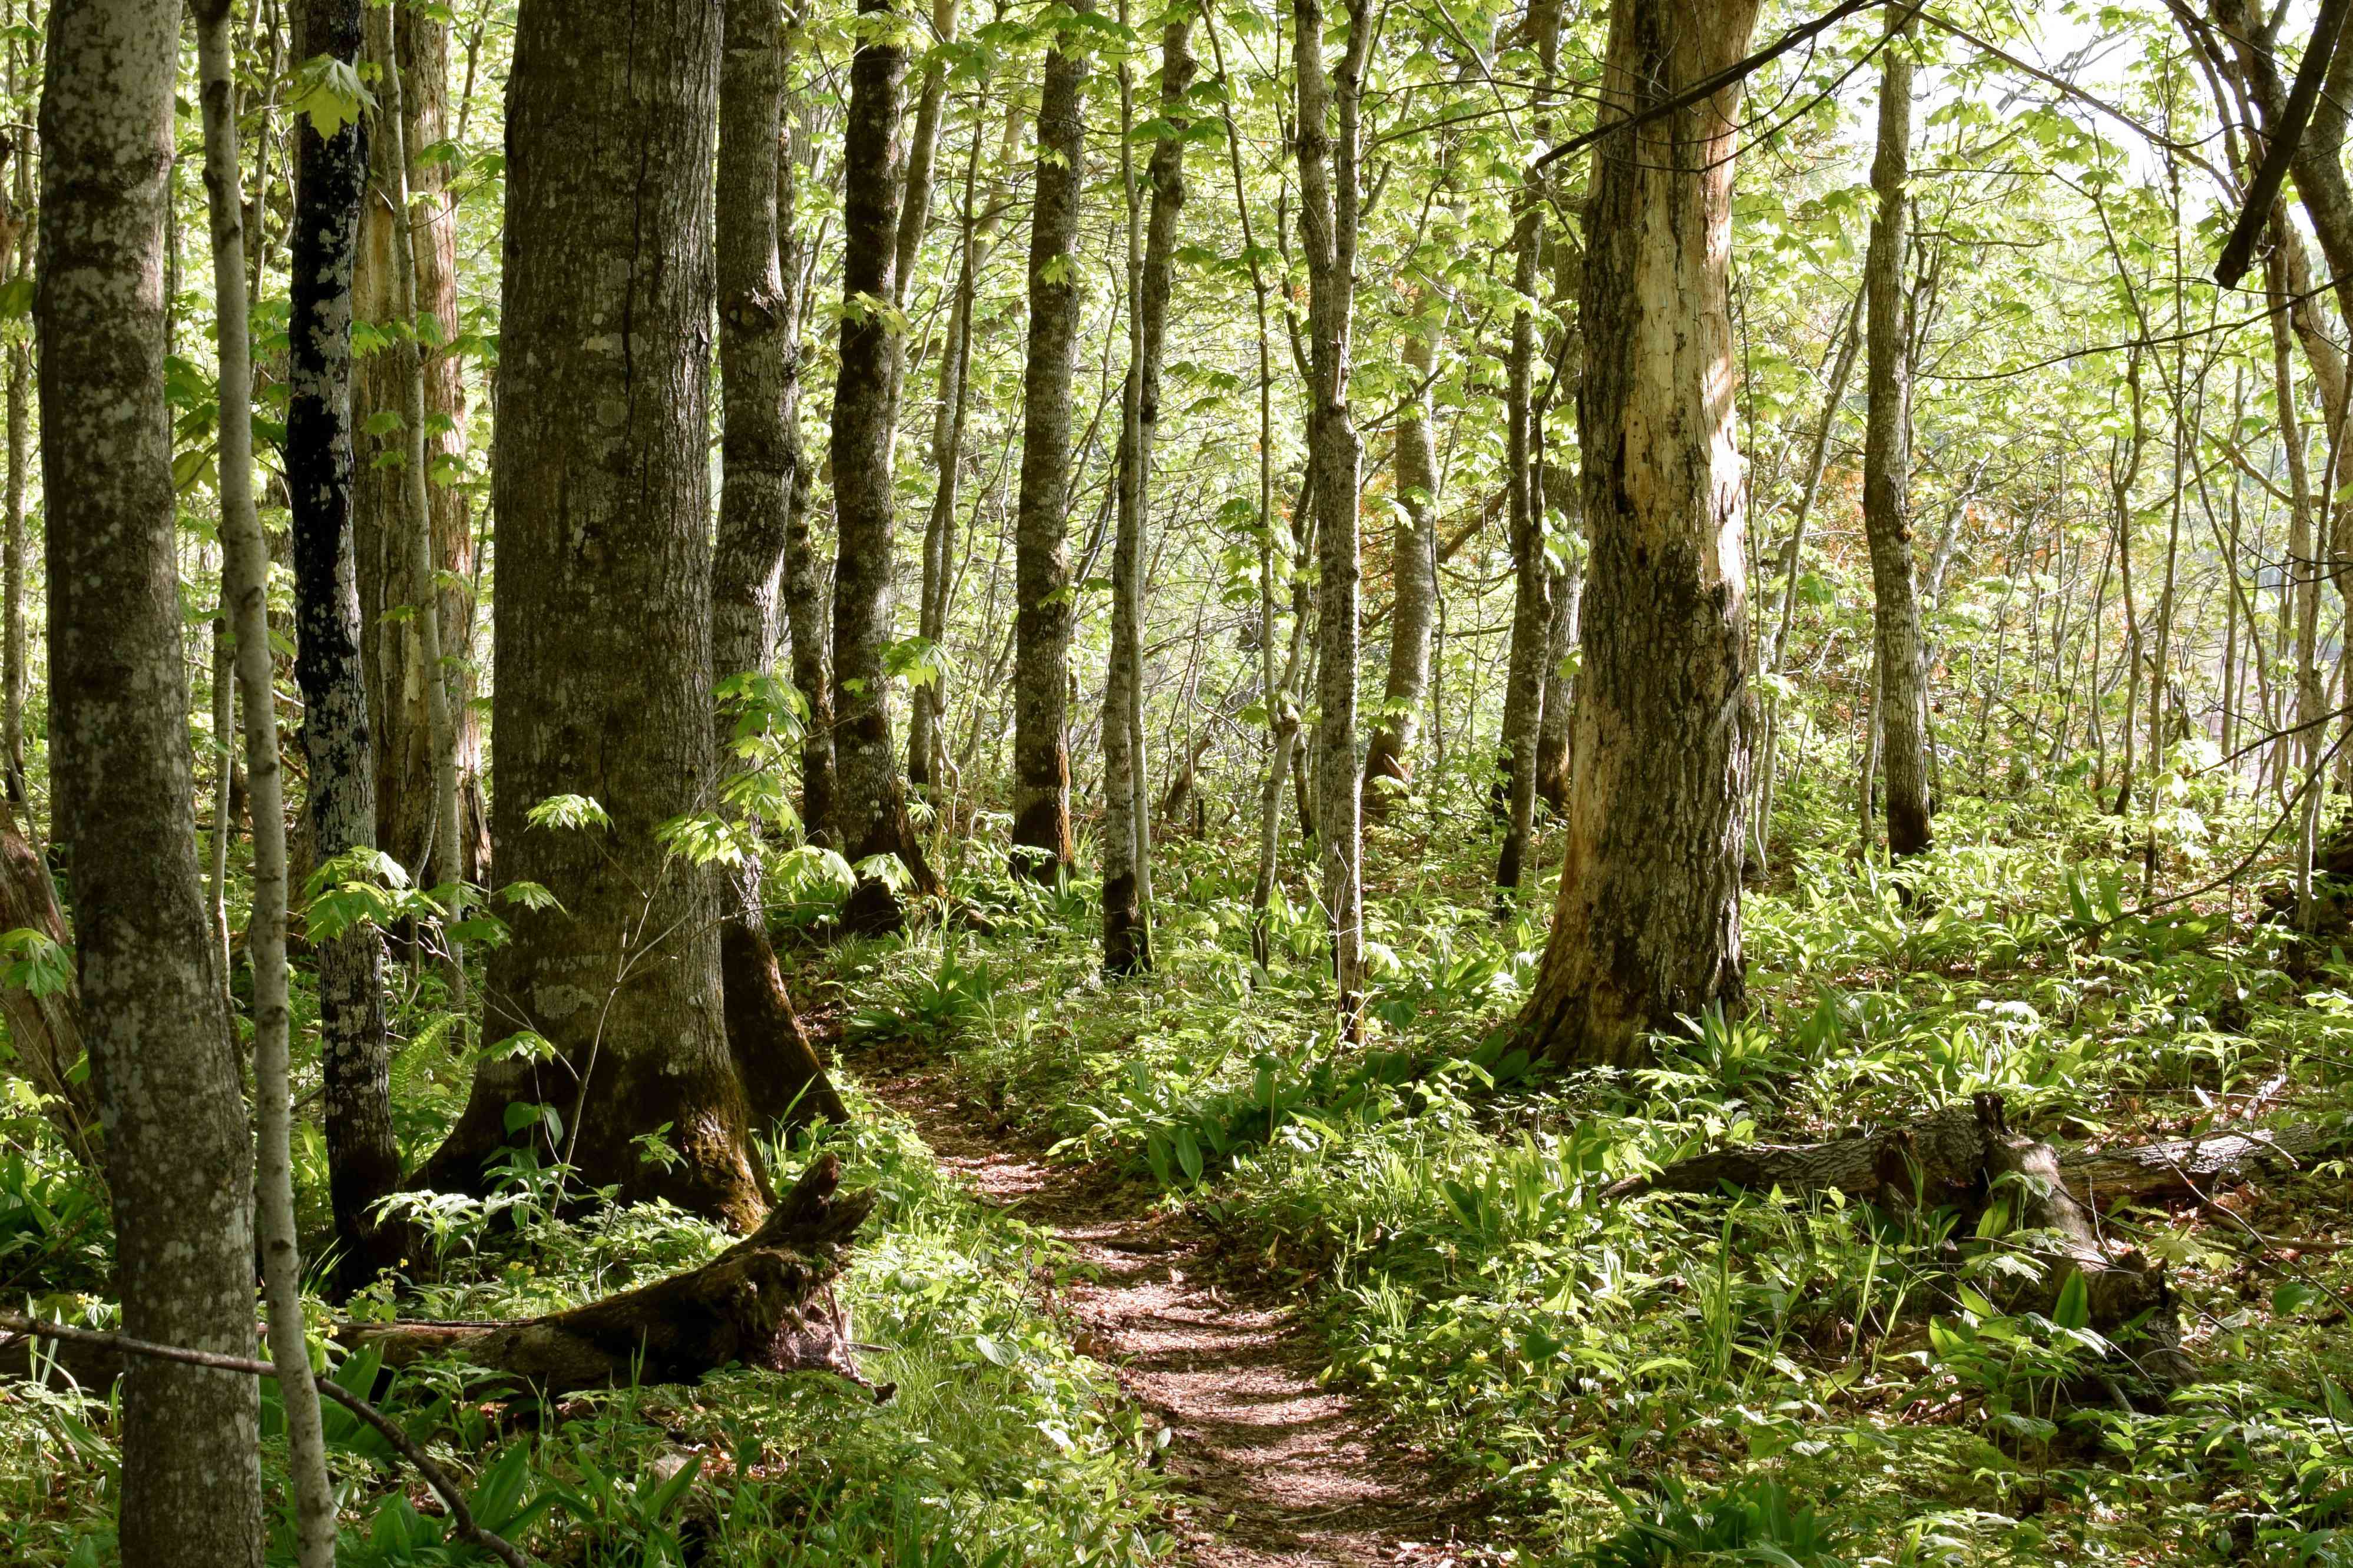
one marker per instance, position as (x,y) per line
(1067,781)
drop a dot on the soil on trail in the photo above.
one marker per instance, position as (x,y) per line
(1273,1469)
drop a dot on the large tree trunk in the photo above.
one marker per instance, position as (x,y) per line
(871,800)
(757,314)
(391,643)
(1903,705)
(1328,201)
(1042,663)
(1647,925)
(604,608)
(1413,571)
(1532,575)
(1127,824)
(363,1156)
(163,1057)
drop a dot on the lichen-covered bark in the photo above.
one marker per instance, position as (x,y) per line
(1042,638)
(870,798)
(392,644)
(362,1157)
(1326,150)
(179,1162)
(603,684)
(1647,925)
(1903,706)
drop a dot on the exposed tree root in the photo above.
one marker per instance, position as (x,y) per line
(766,1302)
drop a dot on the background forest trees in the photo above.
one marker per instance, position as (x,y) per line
(1254,576)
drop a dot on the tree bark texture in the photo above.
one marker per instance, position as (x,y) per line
(1326,151)
(1413,571)
(15,677)
(1553,753)
(392,644)
(244,594)
(871,797)
(1532,572)
(603,614)
(1903,704)
(1647,925)
(758,313)
(1041,658)
(163,1061)
(1127,938)
(806,588)
(331,174)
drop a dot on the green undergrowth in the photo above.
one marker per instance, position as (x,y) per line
(1754,1377)
(1000,1447)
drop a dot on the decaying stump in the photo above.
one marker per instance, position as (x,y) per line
(1967,1156)
(766,1302)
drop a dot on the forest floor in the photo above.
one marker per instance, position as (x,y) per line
(1275,1469)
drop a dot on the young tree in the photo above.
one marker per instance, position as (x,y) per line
(1042,657)
(179,1163)
(603,616)
(1329,203)
(758,313)
(330,175)
(1413,571)
(1647,921)
(1532,572)
(805,587)
(1127,817)
(1902,706)
(245,594)
(871,801)
(414,246)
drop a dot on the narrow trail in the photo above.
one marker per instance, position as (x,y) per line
(1275,1471)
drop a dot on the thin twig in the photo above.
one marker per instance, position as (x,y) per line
(460,1516)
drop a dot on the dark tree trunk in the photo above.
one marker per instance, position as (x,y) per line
(1127,837)
(382,554)
(870,799)
(1903,705)
(1552,756)
(1532,574)
(805,588)
(757,314)
(1647,926)
(162,1056)
(1413,571)
(363,1156)
(1042,663)
(604,608)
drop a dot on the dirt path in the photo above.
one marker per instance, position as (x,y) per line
(1277,1471)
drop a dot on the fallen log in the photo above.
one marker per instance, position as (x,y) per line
(1945,1154)
(1967,1156)
(767,1301)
